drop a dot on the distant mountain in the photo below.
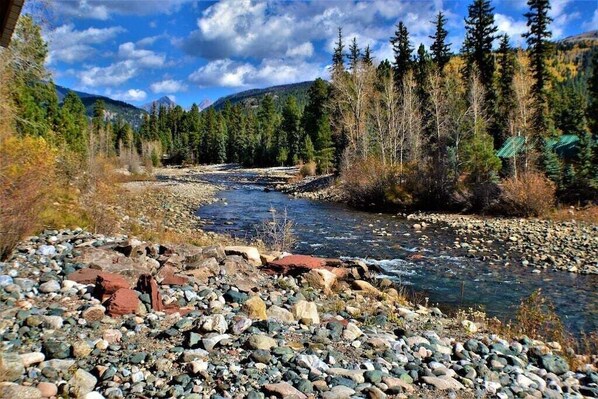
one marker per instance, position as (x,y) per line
(113,108)
(161,102)
(590,37)
(204,104)
(252,98)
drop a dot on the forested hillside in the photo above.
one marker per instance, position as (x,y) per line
(250,99)
(113,109)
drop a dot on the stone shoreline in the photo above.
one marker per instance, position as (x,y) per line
(91,316)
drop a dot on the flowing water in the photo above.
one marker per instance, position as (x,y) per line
(433,268)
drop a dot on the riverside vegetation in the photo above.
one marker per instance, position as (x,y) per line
(97,313)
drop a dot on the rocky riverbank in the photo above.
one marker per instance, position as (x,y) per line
(91,316)
(536,243)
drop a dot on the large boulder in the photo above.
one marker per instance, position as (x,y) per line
(255,308)
(306,312)
(122,302)
(251,254)
(108,283)
(295,265)
(321,278)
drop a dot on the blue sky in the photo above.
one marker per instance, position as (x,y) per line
(140,50)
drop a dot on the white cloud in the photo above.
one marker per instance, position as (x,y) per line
(70,45)
(145,58)
(228,73)
(130,95)
(304,50)
(260,29)
(593,23)
(168,86)
(511,27)
(112,75)
(103,10)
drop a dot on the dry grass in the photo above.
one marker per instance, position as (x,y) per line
(277,232)
(588,214)
(536,318)
(308,169)
(530,194)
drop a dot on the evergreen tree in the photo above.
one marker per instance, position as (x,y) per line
(268,125)
(354,55)
(552,164)
(537,37)
(34,94)
(506,96)
(308,152)
(325,152)
(367,56)
(194,128)
(402,50)
(74,123)
(587,171)
(315,108)
(219,143)
(480,33)
(291,126)
(440,49)
(338,63)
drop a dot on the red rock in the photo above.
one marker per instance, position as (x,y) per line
(148,285)
(84,276)
(295,264)
(122,302)
(168,276)
(108,283)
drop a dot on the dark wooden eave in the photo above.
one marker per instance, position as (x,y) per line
(9,13)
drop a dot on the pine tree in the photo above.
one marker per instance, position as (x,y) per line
(74,123)
(268,123)
(338,63)
(480,33)
(552,164)
(587,171)
(506,96)
(537,37)
(440,49)
(367,56)
(315,108)
(308,152)
(290,125)
(402,50)
(354,55)
(34,93)
(325,147)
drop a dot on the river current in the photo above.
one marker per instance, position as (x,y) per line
(431,267)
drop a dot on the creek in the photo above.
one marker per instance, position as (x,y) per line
(426,262)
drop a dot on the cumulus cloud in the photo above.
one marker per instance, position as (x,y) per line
(228,73)
(112,75)
(145,58)
(70,45)
(168,86)
(128,95)
(103,10)
(513,28)
(260,29)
